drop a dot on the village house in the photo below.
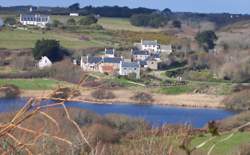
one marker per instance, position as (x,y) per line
(44,62)
(127,68)
(90,63)
(74,14)
(150,45)
(109,53)
(168,49)
(110,65)
(1,22)
(34,20)
(152,63)
(139,55)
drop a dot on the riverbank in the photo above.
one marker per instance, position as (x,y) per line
(124,96)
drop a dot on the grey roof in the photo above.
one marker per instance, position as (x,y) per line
(166,47)
(115,60)
(33,17)
(109,51)
(130,64)
(143,63)
(139,52)
(149,42)
(1,22)
(94,60)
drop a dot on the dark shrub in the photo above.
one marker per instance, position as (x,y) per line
(66,71)
(238,101)
(64,93)
(25,75)
(102,133)
(9,91)
(143,97)
(102,94)
(85,117)
(125,124)
(235,121)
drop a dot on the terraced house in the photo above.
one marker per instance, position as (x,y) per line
(34,20)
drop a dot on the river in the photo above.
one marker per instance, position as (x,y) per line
(154,114)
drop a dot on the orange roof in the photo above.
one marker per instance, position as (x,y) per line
(108,69)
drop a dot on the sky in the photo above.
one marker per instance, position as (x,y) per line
(205,6)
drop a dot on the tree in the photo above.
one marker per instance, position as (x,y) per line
(176,24)
(74,7)
(206,39)
(88,20)
(49,48)
(10,21)
(149,20)
(71,21)
(56,23)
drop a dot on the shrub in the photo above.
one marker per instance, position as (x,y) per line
(66,71)
(143,97)
(238,101)
(125,124)
(85,117)
(71,21)
(88,20)
(9,91)
(10,21)
(102,94)
(235,121)
(64,93)
(102,133)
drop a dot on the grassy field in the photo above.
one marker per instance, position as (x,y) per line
(225,147)
(16,39)
(32,84)
(122,24)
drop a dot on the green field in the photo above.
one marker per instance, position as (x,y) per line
(110,23)
(226,147)
(122,24)
(32,84)
(16,39)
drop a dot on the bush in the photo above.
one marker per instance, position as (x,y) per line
(88,20)
(143,97)
(239,101)
(9,91)
(71,21)
(65,93)
(66,71)
(102,134)
(149,20)
(102,94)
(125,124)
(10,21)
(199,75)
(235,121)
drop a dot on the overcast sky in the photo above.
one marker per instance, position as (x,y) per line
(206,6)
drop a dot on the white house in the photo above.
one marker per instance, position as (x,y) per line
(1,22)
(74,14)
(44,62)
(167,49)
(150,45)
(127,68)
(110,53)
(35,20)
(138,55)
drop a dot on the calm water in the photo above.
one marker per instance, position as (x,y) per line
(156,115)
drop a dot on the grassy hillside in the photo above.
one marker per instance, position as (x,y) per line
(31,84)
(16,39)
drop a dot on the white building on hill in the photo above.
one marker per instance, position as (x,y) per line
(74,14)
(150,45)
(44,62)
(35,20)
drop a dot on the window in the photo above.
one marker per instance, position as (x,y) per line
(135,68)
(125,68)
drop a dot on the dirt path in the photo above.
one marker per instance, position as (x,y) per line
(124,96)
